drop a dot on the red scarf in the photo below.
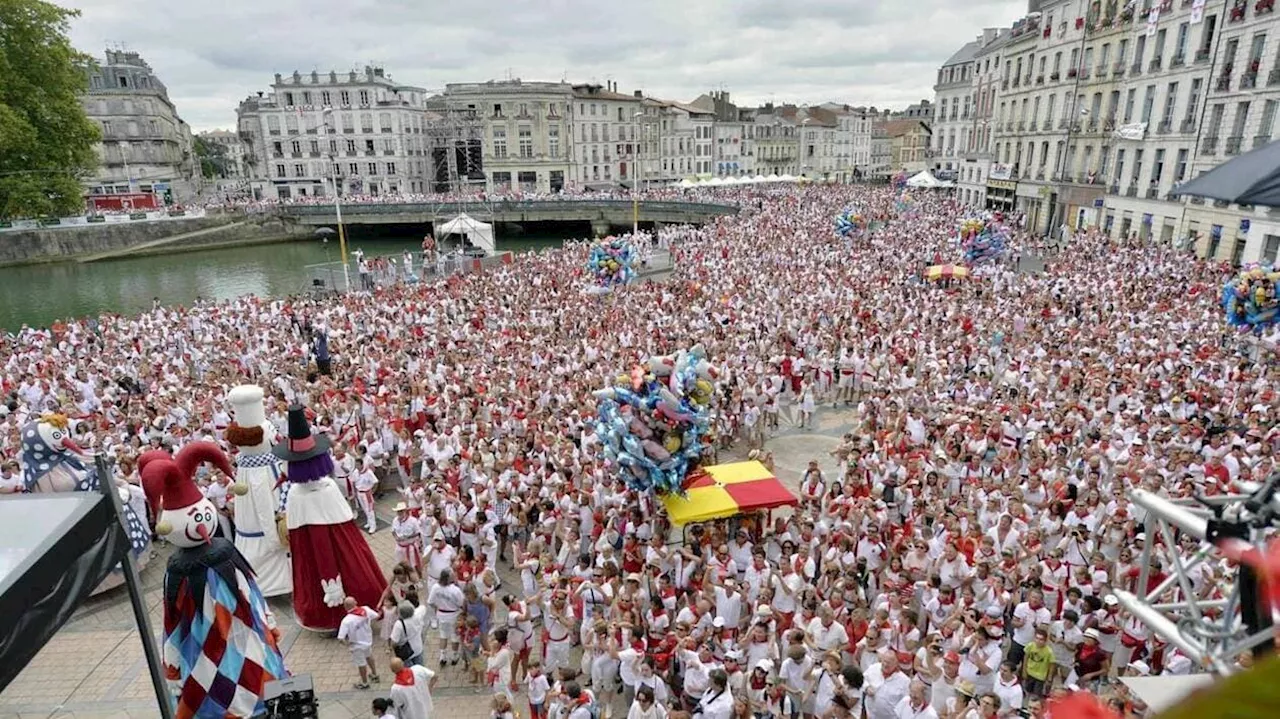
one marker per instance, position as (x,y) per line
(404,677)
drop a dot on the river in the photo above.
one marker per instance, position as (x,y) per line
(37,295)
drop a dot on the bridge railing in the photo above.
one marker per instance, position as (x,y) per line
(486,208)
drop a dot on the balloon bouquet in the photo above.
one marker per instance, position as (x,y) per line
(652,422)
(900,180)
(982,239)
(611,262)
(850,224)
(1250,299)
(905,205)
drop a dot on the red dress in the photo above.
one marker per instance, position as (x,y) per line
(330,555)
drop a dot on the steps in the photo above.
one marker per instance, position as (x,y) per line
(125,251)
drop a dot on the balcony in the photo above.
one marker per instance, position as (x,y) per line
(1047,125)
(1153,193)
(1071,74)
(1039,79)
(1109,124)
(1223,83)
(1188,126)
(1233,145)
(1084,73)
(1238,11)
(1165,127)
(1260,140)
(274,133)
(1055,76)
(1114,189)
(387,131)
(1135,68)
(1177,61)
(295,155)
(1131,191)
(313,153)
(1118,68)
(1040,174)
(1026,80)
(1210,145)
(277,155)
(1202,55)
(1264,6)
(1273,77)
(1092,125)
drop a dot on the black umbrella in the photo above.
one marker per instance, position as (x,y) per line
(1250,179)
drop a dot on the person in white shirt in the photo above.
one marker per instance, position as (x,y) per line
(1009,690)
(408,628)
(407,532)
(825,633)
(447,600)
(915,705)
(885,685)
(356,631)
(1027,617)
(717,701)
(365,484)
(411,690)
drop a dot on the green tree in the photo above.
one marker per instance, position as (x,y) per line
(213,158)
(46,141)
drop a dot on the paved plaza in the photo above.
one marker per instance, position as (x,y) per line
(94,667)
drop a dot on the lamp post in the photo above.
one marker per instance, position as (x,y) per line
(337,206)
(635,180)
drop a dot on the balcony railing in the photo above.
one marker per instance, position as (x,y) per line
(1233,145)
(1210,145)
(1109,124)
(1040,174)
(1202,55)
(1118,68)
(1248,80)
(1016,81)
(1153,193)
(1092,125)
(1188,126)
(1022,126)
(1177,60)
(1039,79)
(1223,84)
(1084,73)
(1101,70)
(1055,76)
(1260,140)
(1155,65)
(1131,191)
(1047,125)
(1026,80)
(1165,127)
(1062,124)
(1114,189)
(1135,68)
(1004,84)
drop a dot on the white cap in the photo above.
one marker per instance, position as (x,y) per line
(246,405)
(718,622)
(1140,667)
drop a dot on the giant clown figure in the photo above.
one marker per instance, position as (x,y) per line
(53,462)
(261,484)
(220,645)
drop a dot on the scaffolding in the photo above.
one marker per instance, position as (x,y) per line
(455,141)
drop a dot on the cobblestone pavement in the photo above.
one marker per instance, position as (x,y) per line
(94,667)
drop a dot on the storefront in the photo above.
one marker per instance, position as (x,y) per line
(1001,195)
(1082,204)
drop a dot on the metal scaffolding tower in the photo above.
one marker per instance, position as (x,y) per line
(455,141)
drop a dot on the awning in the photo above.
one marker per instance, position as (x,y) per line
(1250,179)
(725,490)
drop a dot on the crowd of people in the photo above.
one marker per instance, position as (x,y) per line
(956,563)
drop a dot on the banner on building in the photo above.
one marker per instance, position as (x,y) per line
(1215,231)
(1132,131)
(1146,218)
(1153,18)
(1000,172)
(1197,11)
(1244,224)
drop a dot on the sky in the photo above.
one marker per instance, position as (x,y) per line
(211,55)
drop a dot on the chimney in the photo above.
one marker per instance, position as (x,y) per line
(278,78)
(315,77)
(333,76)
(378,72)
(351,77)
(297,77)
(640,94)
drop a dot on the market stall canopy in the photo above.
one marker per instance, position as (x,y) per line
(1164,692)
(772,178)
(714,182)
(477,233)
(758,179)
(945,272)
(54,550)
(1250,179)
(787,178)
(686,183)
(725,490)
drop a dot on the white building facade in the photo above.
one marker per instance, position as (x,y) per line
(975,182)
(605,136)
(953,107)
(356,133)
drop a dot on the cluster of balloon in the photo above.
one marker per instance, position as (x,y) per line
(906,205)
(611,262)
(900,180)
(983,239)
(653,421)
(850,223)
(1250,298)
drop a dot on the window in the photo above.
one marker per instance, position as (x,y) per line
(525,134)
(354,169)
(391,168)
(1206,36)
(1270,249)
(351,147)
(1137,165)
(288,99)
(524,109)
(1122,52)
(1180,44)
(1119,166)
(373,168)
(333,147)
(1157,53)
(325,98)
(345,97)
(500,142)
(366,122)
(315,146)
(368,147)
(1128,104)
(124,81)
(280,171)
(348,122)
(553,141)
(1170,98)
(1242,114)
(1139,49)
(384,121)
(593,108)
(299,170)
(1180,169)
(1157,167)
(1268,119)
(1193,100)
(364,97)
(291,123)
(295,147)
(388,147)
(306,98)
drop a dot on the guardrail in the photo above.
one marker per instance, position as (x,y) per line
(108,219)
(485,208)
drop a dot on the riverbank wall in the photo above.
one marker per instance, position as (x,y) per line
(136,239)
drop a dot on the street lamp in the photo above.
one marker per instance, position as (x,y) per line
(635,180)
(327,115)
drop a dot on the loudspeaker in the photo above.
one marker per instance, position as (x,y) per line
(291,698)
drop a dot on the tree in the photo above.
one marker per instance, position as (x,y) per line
(213,158)
(46,141)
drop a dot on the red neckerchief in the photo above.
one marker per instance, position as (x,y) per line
(404,677)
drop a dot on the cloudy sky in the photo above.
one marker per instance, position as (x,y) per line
(879,52)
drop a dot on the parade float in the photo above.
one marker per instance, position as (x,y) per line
(53,462)
(1250,298)
(219,645)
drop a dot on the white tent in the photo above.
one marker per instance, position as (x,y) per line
(1163,692)
(732,181)
(477,233)
(773,178)
(686,183)
(714,182)
(787,178)
(925,179)
(758,179)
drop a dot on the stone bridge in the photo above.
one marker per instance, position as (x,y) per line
(602,214)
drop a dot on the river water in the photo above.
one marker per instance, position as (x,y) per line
(37,295)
